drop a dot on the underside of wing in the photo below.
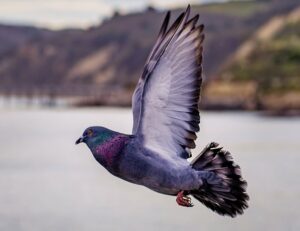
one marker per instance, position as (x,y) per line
(165,102)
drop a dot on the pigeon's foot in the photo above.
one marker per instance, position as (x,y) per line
(183,200)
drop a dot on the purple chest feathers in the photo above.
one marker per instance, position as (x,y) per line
(110,149)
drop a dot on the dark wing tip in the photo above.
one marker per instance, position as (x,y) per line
(179,18)
(202,37)
(193,21)
(201,27)
(165,24)
(187,12)
(188,9)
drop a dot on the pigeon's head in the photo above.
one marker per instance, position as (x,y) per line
(94,136)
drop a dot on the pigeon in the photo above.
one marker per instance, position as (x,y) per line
(165,122)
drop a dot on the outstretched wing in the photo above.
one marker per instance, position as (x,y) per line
(165,101)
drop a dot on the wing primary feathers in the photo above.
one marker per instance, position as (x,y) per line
(165,24)
(185,18)
(161,35)
(178,25)
(161,45)
(193,21)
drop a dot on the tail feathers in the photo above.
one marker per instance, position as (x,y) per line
(224,190)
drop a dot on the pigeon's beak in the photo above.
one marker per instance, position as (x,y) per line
(80,140)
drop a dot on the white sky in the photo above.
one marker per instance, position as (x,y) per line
(74,13)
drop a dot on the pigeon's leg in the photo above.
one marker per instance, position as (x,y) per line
(183,200)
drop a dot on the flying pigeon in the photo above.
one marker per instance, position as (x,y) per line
(166,119)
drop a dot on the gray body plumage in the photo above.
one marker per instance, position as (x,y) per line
(145,167)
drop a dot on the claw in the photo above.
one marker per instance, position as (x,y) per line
(183,200)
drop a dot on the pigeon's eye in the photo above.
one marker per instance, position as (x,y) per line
(90,132)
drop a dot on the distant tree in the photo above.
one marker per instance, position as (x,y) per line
(150,8)
(116,13)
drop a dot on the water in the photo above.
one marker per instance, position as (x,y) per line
(48,183)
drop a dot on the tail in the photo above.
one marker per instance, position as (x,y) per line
(224,190)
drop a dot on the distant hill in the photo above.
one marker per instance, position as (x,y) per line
(12,37)
(269,61)
(108,58)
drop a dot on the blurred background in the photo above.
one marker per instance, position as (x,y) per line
(66,65)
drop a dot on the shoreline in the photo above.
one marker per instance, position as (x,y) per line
(78,102)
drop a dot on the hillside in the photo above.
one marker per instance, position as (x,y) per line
(105,61)
(12,37)
(271,66)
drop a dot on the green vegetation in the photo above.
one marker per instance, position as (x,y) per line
(236,8)
(274,65)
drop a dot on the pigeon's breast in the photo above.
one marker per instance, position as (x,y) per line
(109,152)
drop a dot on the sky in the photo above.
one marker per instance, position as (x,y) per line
(57,14)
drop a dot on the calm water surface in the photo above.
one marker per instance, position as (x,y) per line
(48,183)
